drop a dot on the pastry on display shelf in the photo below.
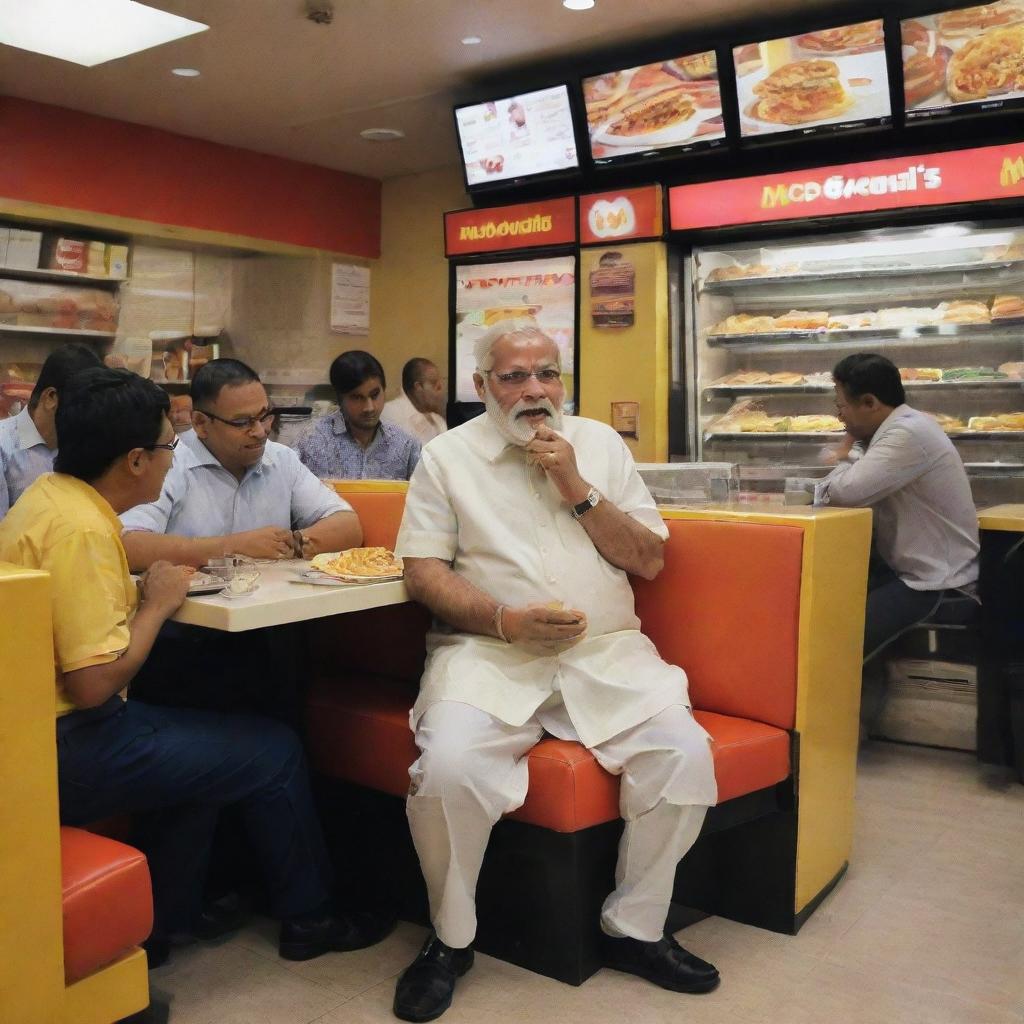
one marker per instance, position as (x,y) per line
(912,373)
(851,321)
(965,311)
(948,423)
(1013,370)
(801,320)
(1007,307)
(739,271)
(1001,421)
(907,316)
(744,323)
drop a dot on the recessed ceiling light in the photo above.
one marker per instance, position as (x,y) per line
(382,134)
(578,5)
(186,72)
(471,40)
(89,32)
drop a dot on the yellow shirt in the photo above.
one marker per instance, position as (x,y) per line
(64,527)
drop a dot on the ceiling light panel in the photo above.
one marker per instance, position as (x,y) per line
(89,32)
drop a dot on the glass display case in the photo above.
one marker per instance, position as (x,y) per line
(768,323)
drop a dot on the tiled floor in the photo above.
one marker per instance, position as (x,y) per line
(926,928)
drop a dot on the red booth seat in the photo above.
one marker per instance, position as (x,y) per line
(108,903)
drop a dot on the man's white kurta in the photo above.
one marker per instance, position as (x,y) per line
(475,502)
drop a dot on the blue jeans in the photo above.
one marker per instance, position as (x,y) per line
(173,770)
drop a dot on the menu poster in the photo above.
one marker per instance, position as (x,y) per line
(966,60)
(350,299)
(626,419)
(519,136)
(542,290)
(613,292)
(824,81)
(670,105)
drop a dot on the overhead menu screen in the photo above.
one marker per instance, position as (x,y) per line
(817,82)
(517,137)
(964,61)
(673,105)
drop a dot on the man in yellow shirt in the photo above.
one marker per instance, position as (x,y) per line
(171,769)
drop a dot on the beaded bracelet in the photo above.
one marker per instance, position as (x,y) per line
(497,624)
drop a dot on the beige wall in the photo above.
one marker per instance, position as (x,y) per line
(409,293)
(282,303)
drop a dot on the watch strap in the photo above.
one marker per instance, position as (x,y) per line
(592,498)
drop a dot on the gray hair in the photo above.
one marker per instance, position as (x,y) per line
(521,327)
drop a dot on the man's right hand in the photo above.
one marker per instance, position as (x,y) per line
(539,623)
(165,586)
(268,542)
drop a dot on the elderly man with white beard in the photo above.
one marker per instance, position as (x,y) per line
(520,528)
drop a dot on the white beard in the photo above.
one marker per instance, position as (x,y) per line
(515,430)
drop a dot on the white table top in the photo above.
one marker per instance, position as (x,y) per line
(282,597)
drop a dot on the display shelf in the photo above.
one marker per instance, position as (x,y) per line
(1008,332)
(827,435)
(734,390)
(859,273)
(994,468)
(60,276)
(62,332)
(173,384)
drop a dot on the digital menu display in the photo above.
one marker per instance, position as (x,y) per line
(517,137)
(825,81)
(669,105)
(542,290)
(966,60)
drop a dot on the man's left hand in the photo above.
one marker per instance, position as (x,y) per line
(557,458)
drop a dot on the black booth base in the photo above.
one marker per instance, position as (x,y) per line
(540,892)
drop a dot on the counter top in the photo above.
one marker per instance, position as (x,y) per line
(1002,517)
(762,512)
(282,597)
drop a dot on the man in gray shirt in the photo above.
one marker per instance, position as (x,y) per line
(898,462)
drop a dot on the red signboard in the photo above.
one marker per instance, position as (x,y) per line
(621,215)
(965,176)
(500,228)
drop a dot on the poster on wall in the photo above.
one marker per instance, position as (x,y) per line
(613,292)
(673,105)
(817,82)
(626,419)
(541,290)
(350,299)
(964,61)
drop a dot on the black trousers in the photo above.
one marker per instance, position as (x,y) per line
(174,770)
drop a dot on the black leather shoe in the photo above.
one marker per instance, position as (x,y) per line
(220,917)
(304,940)
(426,986)
(664,962)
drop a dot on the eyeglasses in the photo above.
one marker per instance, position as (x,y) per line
(518,378)
(264,419)
(170,446)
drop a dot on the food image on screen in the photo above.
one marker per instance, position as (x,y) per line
(666,105)
(973,57)
(818,81)
(542,291)
(517,137)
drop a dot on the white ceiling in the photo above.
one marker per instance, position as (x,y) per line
(275,82)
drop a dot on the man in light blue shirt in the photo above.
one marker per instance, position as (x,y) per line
(231,490)
(354,444)
(28,441)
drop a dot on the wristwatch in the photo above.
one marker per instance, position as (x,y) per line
(592,498)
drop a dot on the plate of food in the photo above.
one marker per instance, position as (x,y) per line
(359,565)
(204,583)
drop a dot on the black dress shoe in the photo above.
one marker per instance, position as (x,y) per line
(220,917)
(664,962)
(426,987)
(304,940)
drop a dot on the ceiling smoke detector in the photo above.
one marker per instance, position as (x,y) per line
(382,134)
(320,11)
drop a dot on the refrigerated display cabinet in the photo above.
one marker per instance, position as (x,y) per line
(768,322)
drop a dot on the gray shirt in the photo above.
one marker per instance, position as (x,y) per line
(926,527)
(200,498)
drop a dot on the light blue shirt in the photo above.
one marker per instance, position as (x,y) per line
(330,451)
(23,457)
(200,498)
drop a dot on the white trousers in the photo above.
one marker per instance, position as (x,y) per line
(473,769)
